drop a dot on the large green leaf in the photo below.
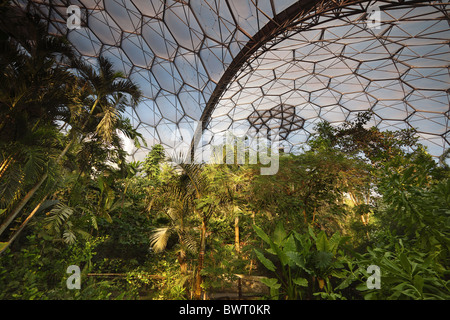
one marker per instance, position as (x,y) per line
(348,279)
(322,242)
(274,248)
(271,282)
(418,283)
(406,265)
(311,233)
(262,234)
(266,262)
(274,286)
(296,258)
(280,254)
(279,234)
(289,244)
(300,282)
(304,241)
(323,259)
(334,242)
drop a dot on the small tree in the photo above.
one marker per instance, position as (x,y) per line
(153,161)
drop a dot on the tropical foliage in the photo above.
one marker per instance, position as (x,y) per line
(163,228)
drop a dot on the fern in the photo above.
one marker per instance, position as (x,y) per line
(57,217)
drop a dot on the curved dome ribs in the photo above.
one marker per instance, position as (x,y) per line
(212,66)
(290,19)
(339,67)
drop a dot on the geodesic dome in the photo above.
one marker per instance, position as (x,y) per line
(211,66)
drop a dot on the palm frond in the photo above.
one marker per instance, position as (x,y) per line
(159,238)
(57,217)
(128,87)
(192,176)
(69,236)
(195,178)
(107,125)
(189,241)
(35,163)
(173,214)
(11,184)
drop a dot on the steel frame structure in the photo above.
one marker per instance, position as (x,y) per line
(193,60)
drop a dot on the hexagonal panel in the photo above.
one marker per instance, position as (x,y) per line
(329,65)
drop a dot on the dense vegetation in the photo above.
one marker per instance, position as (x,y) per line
(354,197)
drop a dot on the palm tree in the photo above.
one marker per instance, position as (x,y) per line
(107,89)
(203,206)
(105,98)
(175,199)
(189,198)
(104,88)
(177,209)
(33,97)
(34,79)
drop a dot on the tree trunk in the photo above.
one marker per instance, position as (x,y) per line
(23,225)
(21,204)
(182,262)
(304,217)
(237,246)
(236,235)
(201,256)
